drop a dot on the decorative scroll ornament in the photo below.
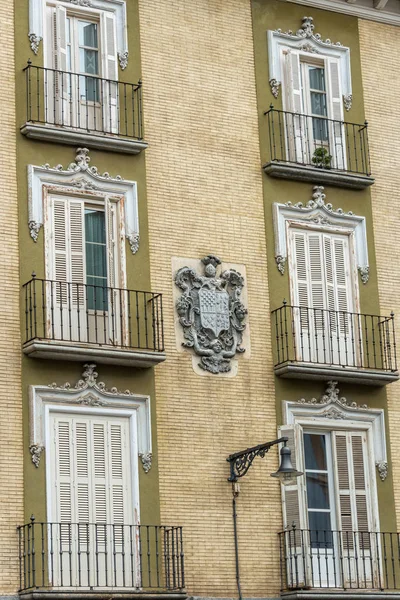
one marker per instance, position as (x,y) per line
(382,467)
(280,263)
(81,2)
(318,201)
(331,397)
(34,42)
(275,86)
(364,274)
(36,452)
(123,59)
(146,461)
(89,380)
(347,101)
(307,31)
(133,240)
(211,314)
(34,229)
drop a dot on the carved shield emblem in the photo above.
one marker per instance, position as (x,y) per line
(214,310)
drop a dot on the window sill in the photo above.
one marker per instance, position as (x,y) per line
(291,370)
(80,352)
(296,172)
(79,137)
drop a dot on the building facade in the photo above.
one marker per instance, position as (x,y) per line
(200,222)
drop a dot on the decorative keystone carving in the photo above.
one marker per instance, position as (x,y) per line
(34,229)
(382,467)
(123,59)
(34,42)
(307,27)
(280,263)
(364,274)
(211,314)
(89,380)
(81,2)
(36,452)
(133,240)
(347,101)
(275,86)
(146,461)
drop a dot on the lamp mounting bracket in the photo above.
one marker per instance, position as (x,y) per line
(240,462)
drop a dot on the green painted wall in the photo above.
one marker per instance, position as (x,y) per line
(43,372)
(271,15)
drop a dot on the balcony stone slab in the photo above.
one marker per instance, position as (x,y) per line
(296,172)
(79,137)
(82,351)
(322,372)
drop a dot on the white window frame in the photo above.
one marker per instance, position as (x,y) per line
(327,229)
(50,191)
(37,21)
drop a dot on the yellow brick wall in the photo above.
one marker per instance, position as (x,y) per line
(11,477)
(380,58)
(204,186)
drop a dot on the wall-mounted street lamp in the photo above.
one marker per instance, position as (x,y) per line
(240,463)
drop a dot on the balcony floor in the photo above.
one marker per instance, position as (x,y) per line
(336,593)
(321,372)
(79,137)
(82,351)
(298,172)
(105,594)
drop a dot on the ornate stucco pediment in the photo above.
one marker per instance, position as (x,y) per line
(81,178)
(90,396)
(211,313)
(308,42)
(322,214)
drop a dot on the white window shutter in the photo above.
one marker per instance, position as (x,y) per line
(77,249)
(112,244)
(295,125)
(60,38)
(61,80)
(293,495)
(59,251)
(337,132)
(110,70)
(294,539)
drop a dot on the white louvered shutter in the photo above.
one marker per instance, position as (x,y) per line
(296,126)
(354,502)
(294,513)
(337,145)
(60,63)
(91,474)
(115,297)
(110,70)
(67,297)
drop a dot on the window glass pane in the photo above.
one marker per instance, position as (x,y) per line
(89,61)
(317,78)
(320,529)
(96,259)
(87,34)
(317,490)
(315,451)
(318,104)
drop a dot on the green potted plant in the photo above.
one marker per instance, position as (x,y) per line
(321,158)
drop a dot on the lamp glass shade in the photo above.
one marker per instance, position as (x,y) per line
(286,472)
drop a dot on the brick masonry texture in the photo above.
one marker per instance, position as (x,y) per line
(380,61)
(204,188)
(11,476)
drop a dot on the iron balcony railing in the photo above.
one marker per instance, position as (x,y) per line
(88,102)
(335,338)
(105,316)
(317,142)
(339,559)
(97,555)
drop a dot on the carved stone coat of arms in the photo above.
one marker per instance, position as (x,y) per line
(211,314)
